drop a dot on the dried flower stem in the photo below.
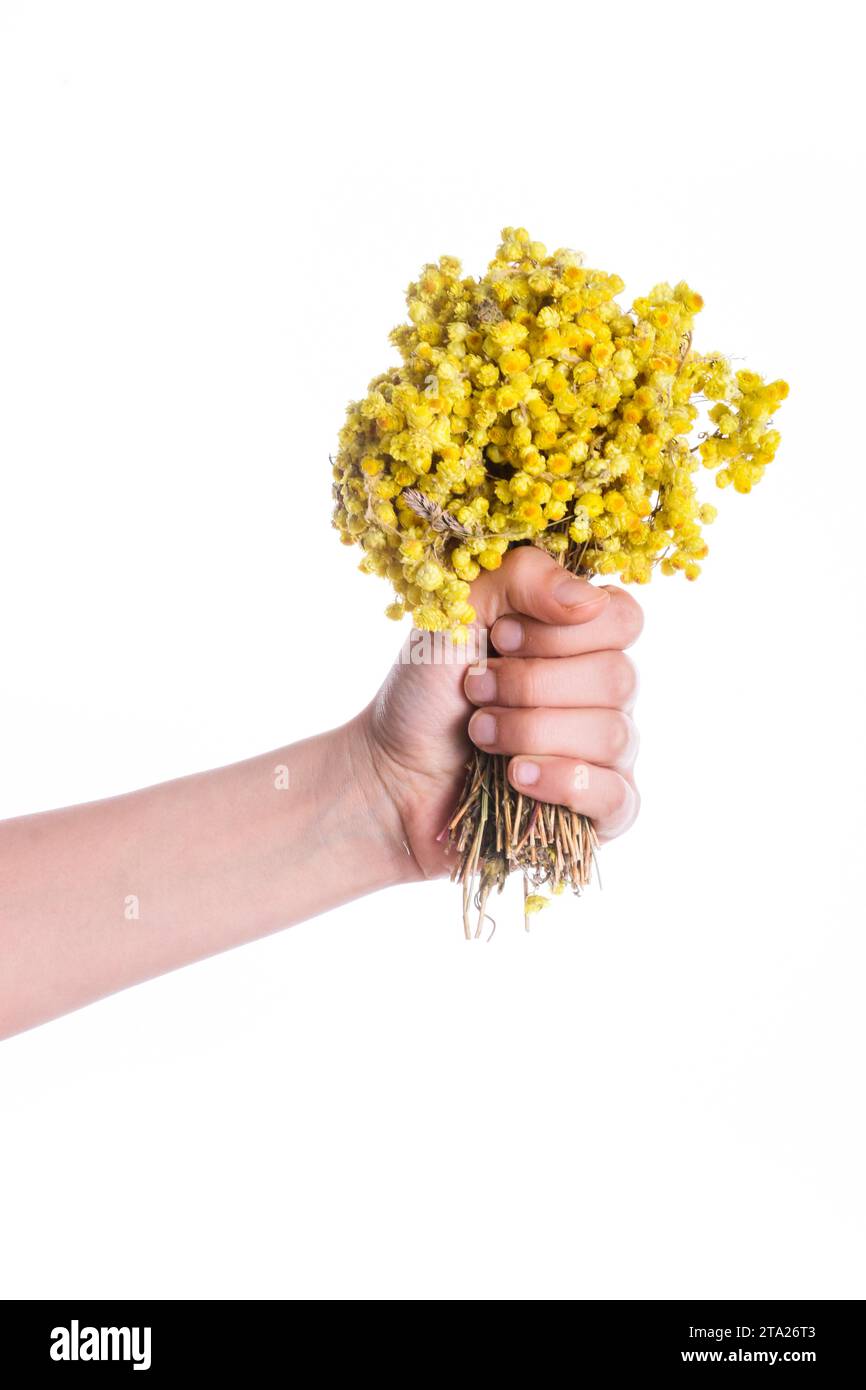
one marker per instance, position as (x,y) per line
(495,830)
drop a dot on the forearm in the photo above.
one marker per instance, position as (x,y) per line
(100,896)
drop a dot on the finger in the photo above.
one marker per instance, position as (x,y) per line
(617,625)
(602,680)
(609,799)
(530,581)
(607,737)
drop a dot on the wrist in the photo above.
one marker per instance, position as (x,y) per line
(373,811)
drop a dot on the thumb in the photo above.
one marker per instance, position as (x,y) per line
(531,582)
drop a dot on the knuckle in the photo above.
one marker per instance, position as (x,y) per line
(619,736)
(519,563)
(629,619)
(523,729)
(618,799)
(520,680)
(621,679)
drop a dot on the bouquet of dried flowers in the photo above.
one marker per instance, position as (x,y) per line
(532,408)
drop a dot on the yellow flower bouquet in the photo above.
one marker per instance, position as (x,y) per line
(532,408)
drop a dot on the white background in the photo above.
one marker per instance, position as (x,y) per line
(210,212)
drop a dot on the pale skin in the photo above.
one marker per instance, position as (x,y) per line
(97,897)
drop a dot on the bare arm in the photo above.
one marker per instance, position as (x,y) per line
(97,897)
(100,896)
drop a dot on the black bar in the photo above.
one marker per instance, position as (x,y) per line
(76,1338)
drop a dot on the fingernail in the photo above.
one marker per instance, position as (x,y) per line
(509,635)
(481,687)
(571,592)
(526,774)
(482,728)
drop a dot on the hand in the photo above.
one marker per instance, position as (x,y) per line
(557,699)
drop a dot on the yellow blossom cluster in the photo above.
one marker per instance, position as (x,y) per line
(530,407)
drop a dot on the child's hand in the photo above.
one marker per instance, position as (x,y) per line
(556,698)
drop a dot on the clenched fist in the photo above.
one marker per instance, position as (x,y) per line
(556,696)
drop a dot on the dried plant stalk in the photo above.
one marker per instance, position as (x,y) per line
(496,830)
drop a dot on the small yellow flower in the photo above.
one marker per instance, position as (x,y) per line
(514,361)
(559,464)
(534,902)
(592,503)
(489,559)
(527,511)
(429,576)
